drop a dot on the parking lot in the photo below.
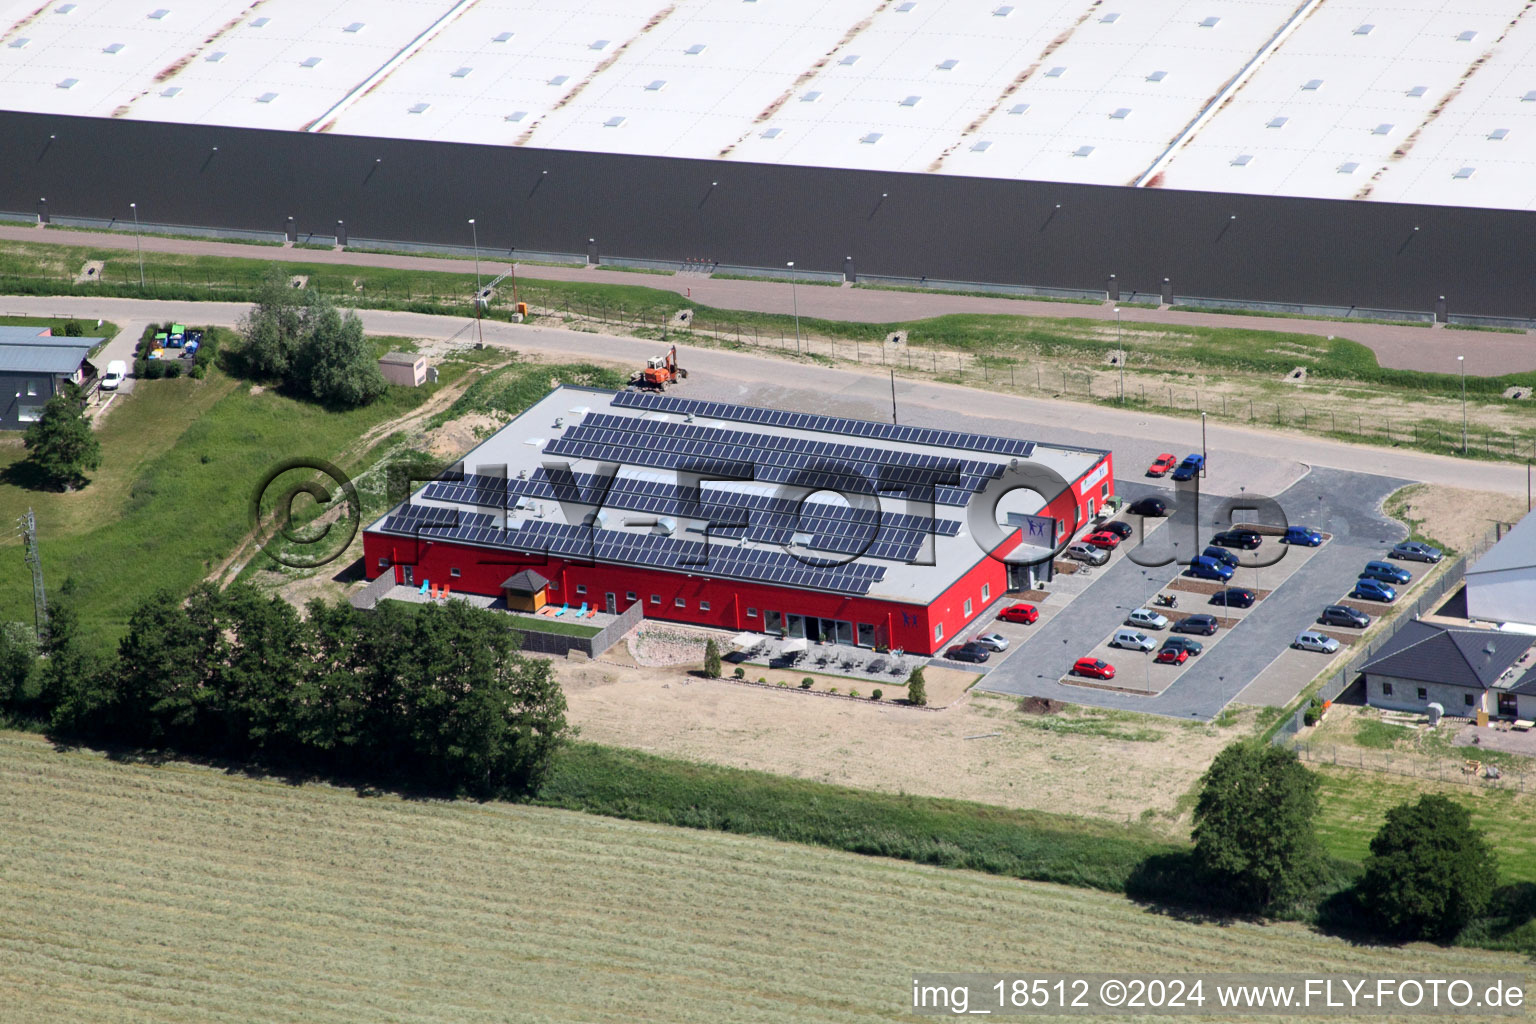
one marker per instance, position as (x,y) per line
(1250,653)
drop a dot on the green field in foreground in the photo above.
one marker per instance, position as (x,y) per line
(182,893)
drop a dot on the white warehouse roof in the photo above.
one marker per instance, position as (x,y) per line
(1433,103)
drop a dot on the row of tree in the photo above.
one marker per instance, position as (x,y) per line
(299,338)
(434,695)
(1429,874)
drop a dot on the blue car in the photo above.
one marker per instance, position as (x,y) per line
(1204,568)
(1187,469)
(1370,590)
(1385,572)
(1303,535)
(1221,555)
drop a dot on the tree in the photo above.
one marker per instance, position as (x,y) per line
(1430,871)
(711,659)
(272,327)
(74,692)
(917,688)
(61,442)
(333,361)
(1254,833)
(18,654)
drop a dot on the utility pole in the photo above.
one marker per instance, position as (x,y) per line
(795,299)
(136,247)
(33,559)
(1462,362)
(1120,353)
(894,420)
(474,234)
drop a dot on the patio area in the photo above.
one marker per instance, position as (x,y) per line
(413,595)
(834,659)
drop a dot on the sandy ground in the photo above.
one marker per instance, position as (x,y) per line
(982,748)
(1457,516)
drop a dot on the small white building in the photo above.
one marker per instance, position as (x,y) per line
(405,368)
(1501,586)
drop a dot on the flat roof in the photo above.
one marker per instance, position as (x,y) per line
(773,480)
(1416,103)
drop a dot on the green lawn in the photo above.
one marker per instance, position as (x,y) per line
(546,624)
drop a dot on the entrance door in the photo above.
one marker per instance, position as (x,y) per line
(797,626)
(1507,705)
(613,603)
(774,622)
(408,574)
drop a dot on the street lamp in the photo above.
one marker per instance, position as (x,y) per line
(1120,351)
(136,246)
(1462,361)
(1204,455)
(795,299)
(474,235)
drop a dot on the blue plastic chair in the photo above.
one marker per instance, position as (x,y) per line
(424,585)
(563,609)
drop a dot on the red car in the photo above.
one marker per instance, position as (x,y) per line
(1106,539)
(1096,668)
(1162,464)
(1172,656)
(1025,613)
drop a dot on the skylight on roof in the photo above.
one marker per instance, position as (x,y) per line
(1382,129)
(158,14)
(982,146)
(1348,167)
(1110,18)
(17,44)
(811,97)
(463,72)
(1467,36)
(310,62)
(1499,134)
(1120,113)
(1364,30)
(1002,12)
(1276,122)
(1018,108)
(1417,91)
(850,60)
(68,83)
(260,22)
(1083,151)
(419,108)
(656,86)
(1056,72)
(949,64)
(695,50)
(266,97)
(1242,160)
(1210,22)
(772,133)
(615,121)
(516,115)
(216,56)
(911,101)
(1463,173)
(113,48)
(174,90)
(354,27)
(559,79)
(1529,97)
(906,6)
(598,44)
(1312,85)
(1157,76)
(501,37)
(871,138)
(65,9)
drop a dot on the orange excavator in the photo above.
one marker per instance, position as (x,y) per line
(660,372)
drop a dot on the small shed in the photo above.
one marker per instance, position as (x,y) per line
(407,368)
(525,591)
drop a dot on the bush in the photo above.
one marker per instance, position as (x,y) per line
(807,683)
(877,695)
(712,659)
(740,672)
(172,369)
(1314,712)
(832,689)
(852,693)
(154,369)
(72,329)
(1430,871)
(917,688)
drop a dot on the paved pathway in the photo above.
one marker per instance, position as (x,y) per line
(1413,348)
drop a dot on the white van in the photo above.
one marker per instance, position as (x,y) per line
(116,371)
(1132,640)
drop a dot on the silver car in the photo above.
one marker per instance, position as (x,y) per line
(1088,553)
(992,641)
(1416,551)
(1307,640)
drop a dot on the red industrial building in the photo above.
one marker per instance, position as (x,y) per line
(748,519)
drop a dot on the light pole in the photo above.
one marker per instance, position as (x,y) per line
(1462,362)
(795,299)
(136,247)
(474,235)
(1204,455)
(1120,351)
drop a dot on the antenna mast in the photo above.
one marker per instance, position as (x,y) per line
(34,559)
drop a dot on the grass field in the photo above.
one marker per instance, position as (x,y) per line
(180,893)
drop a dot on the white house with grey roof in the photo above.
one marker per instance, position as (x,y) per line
(34,366)
(1463,669)
(1501,586)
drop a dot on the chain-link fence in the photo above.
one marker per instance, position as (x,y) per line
(1471,771)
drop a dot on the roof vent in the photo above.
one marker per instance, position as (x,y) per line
(1467,36)
(1210,22)
(982,146)
(1462,174)
(1312,85)
(1120,113)
(1242,160)
(849,60)
(63,8)
(516,115)
(260,22)
(1382,129)
(948,65)
(1083,151)
(772,133)
(1110,19)
(656,86)
(1417,91)
(695,50)
(173,91)
(1002,12)
(559,79)
(69,83)
(810,97)
(911,101)
(419,108)
(461,72)
(1498,134)
(872,138)
(1018,108)
(906,6)
(598,44)
(1348,167)
(309,62)
(1276,122)
(501,37)
(1056,72)
(158,14)
(1365,30)
(666,526)
(266,97)
(355,27)
(1157,76)
(615,121)
(17,44)
(113,48)
(216,56)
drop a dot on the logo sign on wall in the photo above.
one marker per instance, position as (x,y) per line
(1036,531)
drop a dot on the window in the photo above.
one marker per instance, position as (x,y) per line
(1104,491)
(681,602)
(581,588)
(655,599)
(29,413)
(630,595)
(454,573)
(1386,689)
(31,389)
(1466,699)
(703,606)
(1423,693)
(986,591)
(967,607)
(383,563)
(938,632)
(553,585)
(751,613)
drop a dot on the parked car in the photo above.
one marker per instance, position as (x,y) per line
(968,652)
(1106,539)
(1408,550)
(1189,468)
(1304,536)
(1200,625)
(1221,555)
(1371,590)
(1150,508)
(992,641)
(1087,553)
(1162,464)
(1234,597)
(1238,538)
(1119,527)
(1203,568)
(1344,615)
(1307,640)
(1131,640)
(1096,668)
(1172,656)
(117,369)
(1385,572)
(1025,613)
(1146,618)
(1185,644)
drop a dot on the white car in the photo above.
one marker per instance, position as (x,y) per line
(993,641)
(117,369)
(1146,618)
(1131,640)
(1307,640)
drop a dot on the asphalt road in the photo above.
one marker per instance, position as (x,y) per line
(1412,348)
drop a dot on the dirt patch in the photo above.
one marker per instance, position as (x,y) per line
(454,438)
(1040,706)
(1455,516)
(1297,375)
(1347,639)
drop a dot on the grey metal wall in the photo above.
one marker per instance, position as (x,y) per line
(1378,255)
